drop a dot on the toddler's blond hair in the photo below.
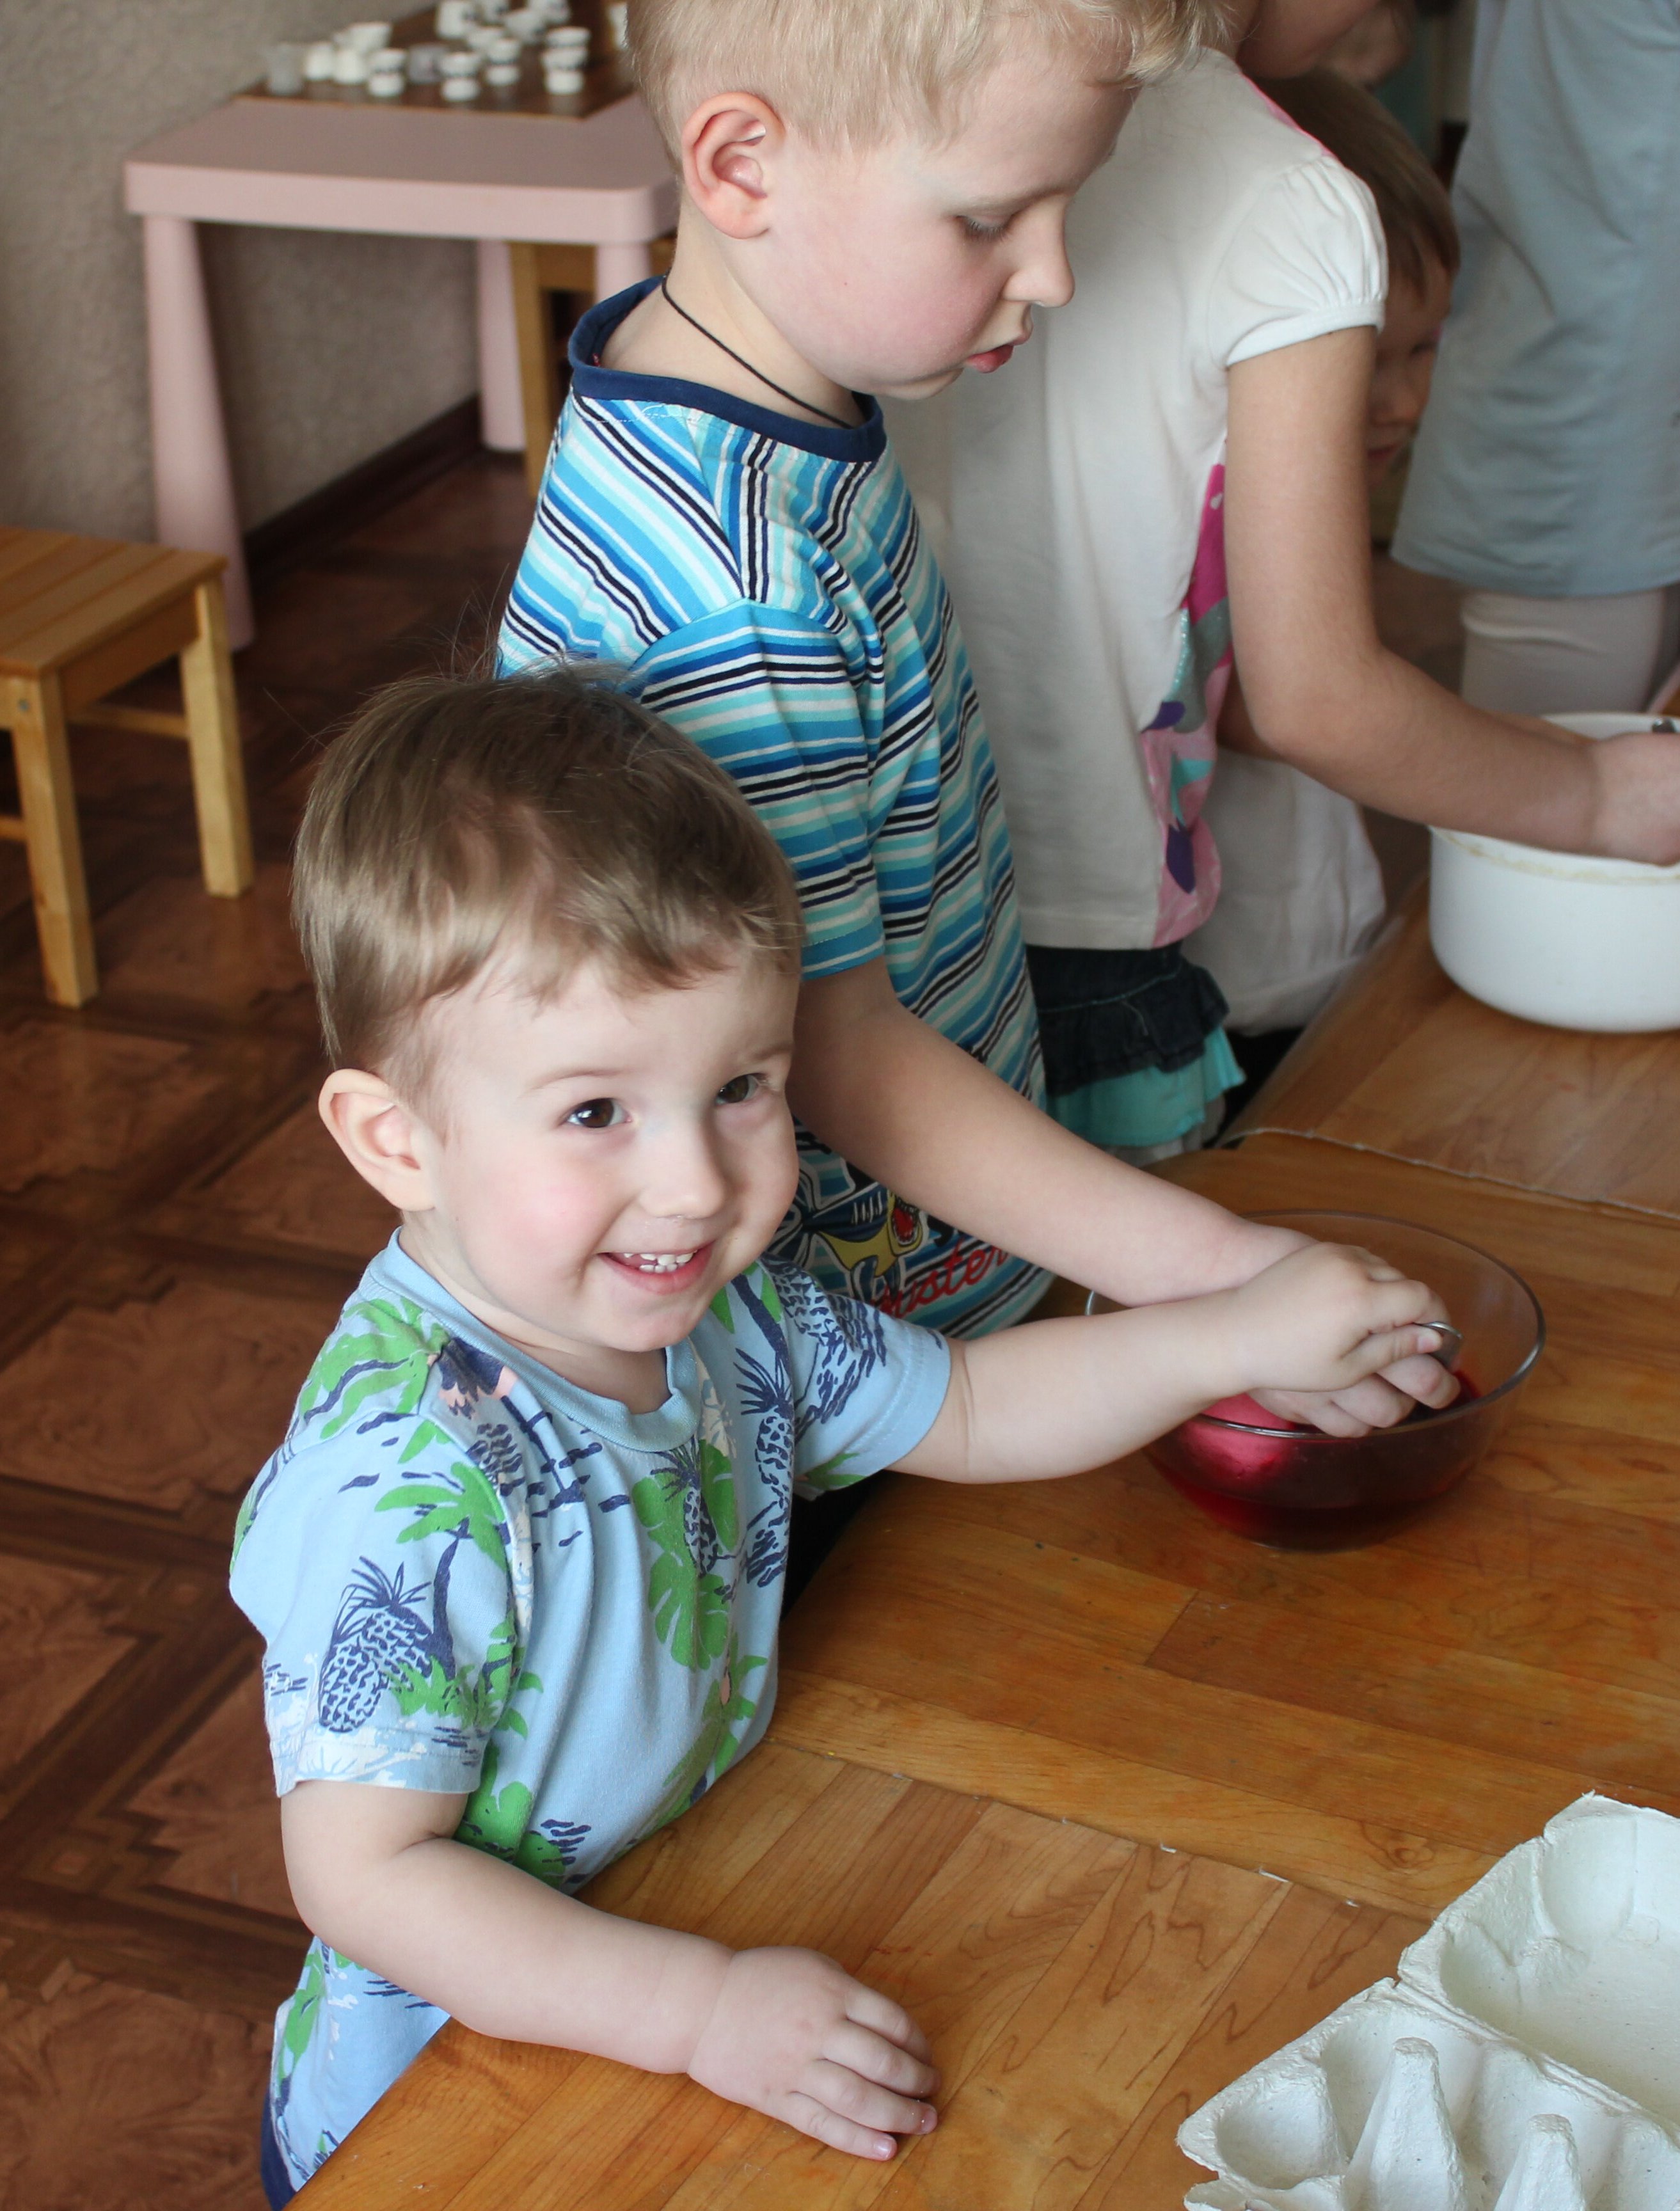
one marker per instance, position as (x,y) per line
(855,71)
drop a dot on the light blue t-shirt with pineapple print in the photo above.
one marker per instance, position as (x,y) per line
(473,1577)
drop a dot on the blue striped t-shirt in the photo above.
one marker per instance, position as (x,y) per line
(765,585)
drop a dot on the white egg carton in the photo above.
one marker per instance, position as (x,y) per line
(1526,2058)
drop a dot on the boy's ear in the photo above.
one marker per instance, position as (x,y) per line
(729,146)
(376,1132)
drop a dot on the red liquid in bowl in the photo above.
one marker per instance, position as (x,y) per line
(1307,1491)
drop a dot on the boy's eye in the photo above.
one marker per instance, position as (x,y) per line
(975,228)
(739,1088)
(597,1113)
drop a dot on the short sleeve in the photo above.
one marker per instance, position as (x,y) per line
(376,1566)
(772,696)
(1309,258)
(866,1387)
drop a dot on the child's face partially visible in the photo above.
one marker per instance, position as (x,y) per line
(607,1160)
(1406,362)
(893,267)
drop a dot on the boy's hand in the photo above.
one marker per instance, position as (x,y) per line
(1330,1319)
(793,2036)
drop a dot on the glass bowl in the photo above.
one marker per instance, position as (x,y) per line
(1298,1489)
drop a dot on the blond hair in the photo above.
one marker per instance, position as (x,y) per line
(852,71)
(544,820)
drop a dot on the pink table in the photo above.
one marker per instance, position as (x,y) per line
(601,179)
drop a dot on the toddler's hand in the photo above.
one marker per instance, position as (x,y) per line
(1317,1331)
(793,2036)
(1380,1401)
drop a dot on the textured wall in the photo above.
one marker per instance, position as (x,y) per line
(331,346)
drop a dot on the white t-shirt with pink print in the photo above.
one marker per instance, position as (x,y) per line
(1076,496)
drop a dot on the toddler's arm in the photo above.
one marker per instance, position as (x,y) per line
(1326,695)
(901,1102)
(1060,1395)
(377,1873)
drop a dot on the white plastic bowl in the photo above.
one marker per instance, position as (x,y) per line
(1559,937)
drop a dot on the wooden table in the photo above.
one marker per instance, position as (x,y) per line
(1085,1994)
(497,172)
(1404,1064)
(1380,1723)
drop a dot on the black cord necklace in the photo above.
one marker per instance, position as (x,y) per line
(782,390)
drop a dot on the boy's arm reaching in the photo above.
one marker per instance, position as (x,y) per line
(1061,1396)
(377,1874)
(1322,691)
(889,1094)
(907,1106)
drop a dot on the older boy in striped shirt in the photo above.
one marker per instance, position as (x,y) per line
(873,198)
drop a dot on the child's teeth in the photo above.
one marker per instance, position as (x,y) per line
(661,1263)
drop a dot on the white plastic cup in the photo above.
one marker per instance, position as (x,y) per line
(526,24)
(460,88)
(319,62)
(282,70)
(617,15)
(454,18)
(350,65)
(562,82)
(387,84)
(367,38)
(459,68)
(502,74)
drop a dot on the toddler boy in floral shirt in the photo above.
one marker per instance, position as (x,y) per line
(518,1562)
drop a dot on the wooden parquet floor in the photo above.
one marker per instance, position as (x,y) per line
(176,1235)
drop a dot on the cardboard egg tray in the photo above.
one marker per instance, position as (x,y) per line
(1526,2058)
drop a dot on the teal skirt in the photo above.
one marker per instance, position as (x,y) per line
(1153,1108)
(1135,1053)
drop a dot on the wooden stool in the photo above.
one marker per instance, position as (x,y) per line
(80,616)
(540,272)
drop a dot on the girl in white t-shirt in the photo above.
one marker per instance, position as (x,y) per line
(1199,410)
(1300,892)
